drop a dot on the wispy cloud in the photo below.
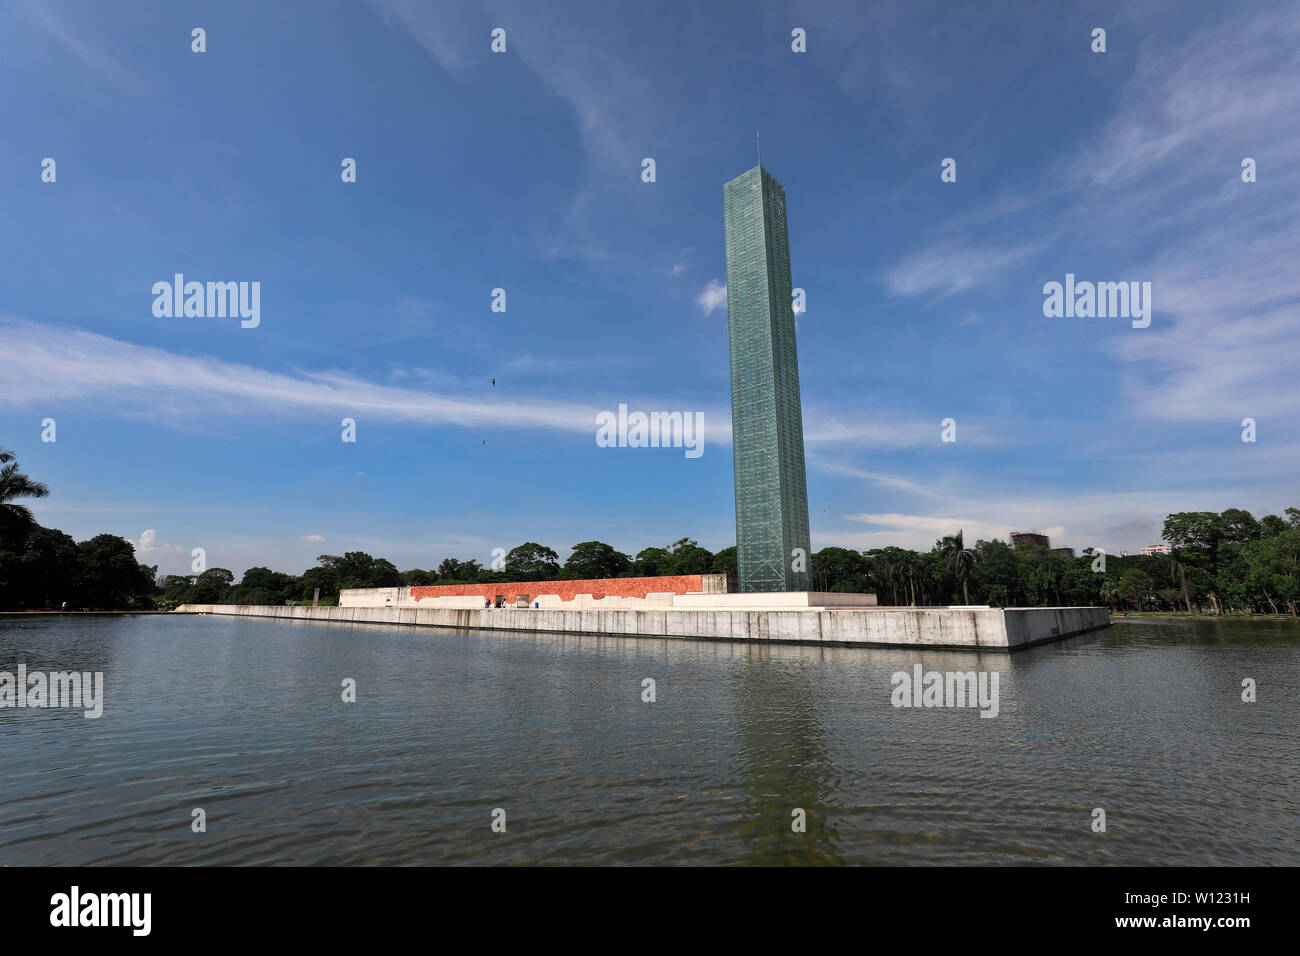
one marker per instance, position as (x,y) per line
(92,56)
(447,31)
(1226,290)
(933,527)
(597,63)
(681,266)
(950,267)
(822,426)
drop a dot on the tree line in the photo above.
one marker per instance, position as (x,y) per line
(1220,562)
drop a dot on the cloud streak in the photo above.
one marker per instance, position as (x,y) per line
(53,365)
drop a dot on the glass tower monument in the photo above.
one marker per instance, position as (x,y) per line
(772,541)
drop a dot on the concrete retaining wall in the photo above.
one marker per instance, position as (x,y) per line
(985,628)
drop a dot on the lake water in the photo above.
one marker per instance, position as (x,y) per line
(245,719)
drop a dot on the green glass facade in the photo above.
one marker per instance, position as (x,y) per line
(766,414)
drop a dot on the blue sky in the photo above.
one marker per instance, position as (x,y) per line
(522,170)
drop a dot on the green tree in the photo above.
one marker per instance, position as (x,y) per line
(453,571)
(1273,569)
(1197,533)
(1111,592)
(40,572)
(724,562)
(1080,585)
(16,519)
(264,586)
(1136,584)
(175,592)
(1178,574)
(651,563)
(687,557)
(897,573)
(996,574)
(1271,525)
(1238,525)
(531,561)
(839,569)
(595,559)
(356,569)
(324,577)
(213,586)
(417,578)
(889,576)
(110,578)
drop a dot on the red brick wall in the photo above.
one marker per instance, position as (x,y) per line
(567,590)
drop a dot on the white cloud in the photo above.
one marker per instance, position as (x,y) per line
(712,297)
(312,538)
(60,365)
(150,546)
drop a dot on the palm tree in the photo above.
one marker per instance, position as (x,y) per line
(960,561)
(1178,575)
(887,574)
(15,519)
(907,568)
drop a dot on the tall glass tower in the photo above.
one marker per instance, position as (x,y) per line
(772,541)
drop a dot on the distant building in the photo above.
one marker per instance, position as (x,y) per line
(1026,540)
(1158,549)
(1022,540)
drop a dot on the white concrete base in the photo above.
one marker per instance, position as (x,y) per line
(984,628)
